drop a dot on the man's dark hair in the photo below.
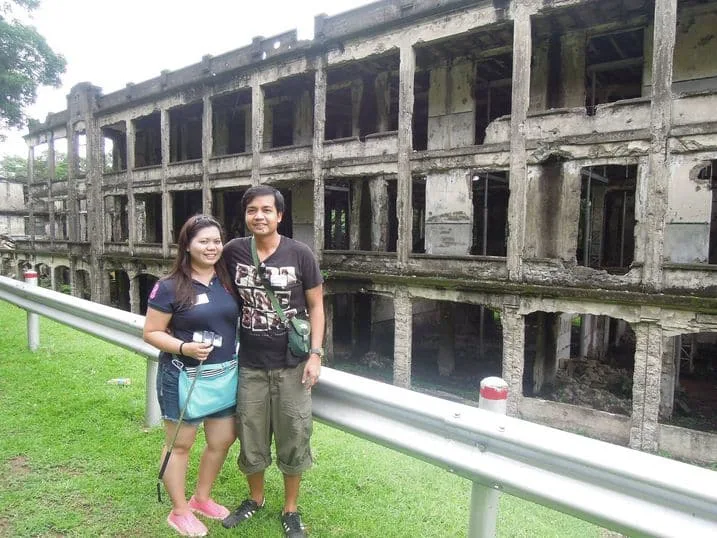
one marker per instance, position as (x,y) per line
(263,190)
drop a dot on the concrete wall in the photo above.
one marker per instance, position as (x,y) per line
(695,61)
(11,197)
(11,200)
(449,213)
(451,106)
(302,209)
(689,444)
(687,228)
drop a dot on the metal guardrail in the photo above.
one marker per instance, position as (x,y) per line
(618,488)
(111,324)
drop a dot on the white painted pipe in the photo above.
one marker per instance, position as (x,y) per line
(484,500)
(33,320)
(152,414)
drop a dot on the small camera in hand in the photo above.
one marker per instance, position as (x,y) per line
(207,337)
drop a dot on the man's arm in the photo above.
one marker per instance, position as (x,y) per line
(315,307)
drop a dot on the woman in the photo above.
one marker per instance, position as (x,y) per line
(197,295)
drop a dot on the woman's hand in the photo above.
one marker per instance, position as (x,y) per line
(197,350)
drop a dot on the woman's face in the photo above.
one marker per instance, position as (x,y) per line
(205,248)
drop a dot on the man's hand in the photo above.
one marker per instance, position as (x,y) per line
(312,370)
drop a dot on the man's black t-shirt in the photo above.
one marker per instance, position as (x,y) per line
(290,270)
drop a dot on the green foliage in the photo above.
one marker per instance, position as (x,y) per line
(26,63)
(15,166)
(76,461)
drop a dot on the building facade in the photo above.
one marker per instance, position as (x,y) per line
(514,188)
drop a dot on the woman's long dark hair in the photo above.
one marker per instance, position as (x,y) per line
(181,271)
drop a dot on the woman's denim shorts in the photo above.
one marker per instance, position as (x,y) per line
(168,395)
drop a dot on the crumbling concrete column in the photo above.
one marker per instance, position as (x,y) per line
(303,116)
(670,375)
(99,283)
(111,218)
(646,384)
(73,221)
(132,235)
(30,195)
(167,220)
(588,336)
(539,75)
(248,131)
(383,101)
(447,343)
(378,189)
(94,161)
(546,360)
(567,230)
(518,170)
(658,174)
(403,308)
(356,98)
(553,346)
(355,214)
(404,205)
(329,331)
(51,175)
(317,155)
(74,290)
(513,324)
(134,296)
(302,212)
(207,143)
(257,128)
(572,70)
(220,135)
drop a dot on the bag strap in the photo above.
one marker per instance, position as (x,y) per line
(269,291)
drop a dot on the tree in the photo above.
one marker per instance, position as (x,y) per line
(15,166)
(26,63)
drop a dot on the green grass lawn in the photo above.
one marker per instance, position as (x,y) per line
(75,460)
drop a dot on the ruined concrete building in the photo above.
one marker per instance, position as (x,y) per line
(519,188)
(12,209)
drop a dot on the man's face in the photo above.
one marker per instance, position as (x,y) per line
(261,216)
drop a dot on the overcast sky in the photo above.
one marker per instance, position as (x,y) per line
(110,43)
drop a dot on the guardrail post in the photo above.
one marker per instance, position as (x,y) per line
(484,500)
(152,415)
(33,320)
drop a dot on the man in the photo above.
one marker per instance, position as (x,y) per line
(275,385)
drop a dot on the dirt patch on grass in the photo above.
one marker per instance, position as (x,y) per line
(4,527)
(19,466)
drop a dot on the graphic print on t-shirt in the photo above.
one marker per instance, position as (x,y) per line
(257,313)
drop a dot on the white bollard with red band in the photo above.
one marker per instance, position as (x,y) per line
(493,395)
(484,500)
(33,320)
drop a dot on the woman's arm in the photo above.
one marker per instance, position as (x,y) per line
(155,333)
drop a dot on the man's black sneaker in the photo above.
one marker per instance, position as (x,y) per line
(293,527)
(245,511)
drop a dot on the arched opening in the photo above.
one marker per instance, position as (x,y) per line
(119,290)
(62,279)
(146,283)
(43,275)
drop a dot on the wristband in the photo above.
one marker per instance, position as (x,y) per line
(180,348)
